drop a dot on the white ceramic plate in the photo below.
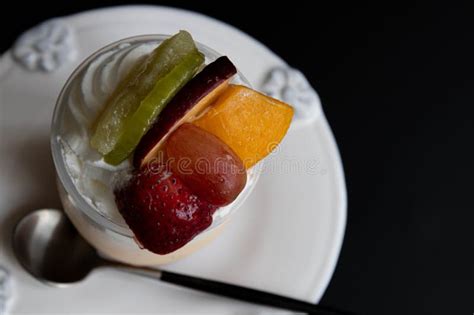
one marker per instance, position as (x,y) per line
(285,239)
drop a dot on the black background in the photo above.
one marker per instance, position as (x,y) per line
(397,85)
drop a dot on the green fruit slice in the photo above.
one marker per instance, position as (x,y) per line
(135,126)
(135,87)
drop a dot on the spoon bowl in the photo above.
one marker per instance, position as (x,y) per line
(50,249)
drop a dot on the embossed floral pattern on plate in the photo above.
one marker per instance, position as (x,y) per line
(291,86)
(5,290)
(46,47)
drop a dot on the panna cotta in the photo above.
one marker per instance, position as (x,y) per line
(155,144)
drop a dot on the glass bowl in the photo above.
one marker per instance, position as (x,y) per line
(109,235)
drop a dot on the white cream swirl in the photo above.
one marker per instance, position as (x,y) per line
(88,92)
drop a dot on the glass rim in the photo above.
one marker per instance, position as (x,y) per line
(62,173)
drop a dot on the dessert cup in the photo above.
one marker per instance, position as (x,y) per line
(104,229)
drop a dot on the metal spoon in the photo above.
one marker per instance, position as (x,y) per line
(48,246)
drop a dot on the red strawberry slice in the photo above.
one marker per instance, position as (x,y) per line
(161,211)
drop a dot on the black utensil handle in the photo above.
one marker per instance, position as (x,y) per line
(248,295)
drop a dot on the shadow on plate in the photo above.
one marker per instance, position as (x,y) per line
(32,157)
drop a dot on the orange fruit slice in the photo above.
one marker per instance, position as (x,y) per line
(251,123)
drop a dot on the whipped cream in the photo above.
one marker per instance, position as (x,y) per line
(90,89)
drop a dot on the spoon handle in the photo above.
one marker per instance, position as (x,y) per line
(247,294)
(234,291)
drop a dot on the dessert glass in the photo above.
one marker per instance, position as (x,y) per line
(109,236)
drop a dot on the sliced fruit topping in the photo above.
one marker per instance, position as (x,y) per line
(251,123)
(205,164)
(135,87)
(188,103)
(161,211)
(135,126)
